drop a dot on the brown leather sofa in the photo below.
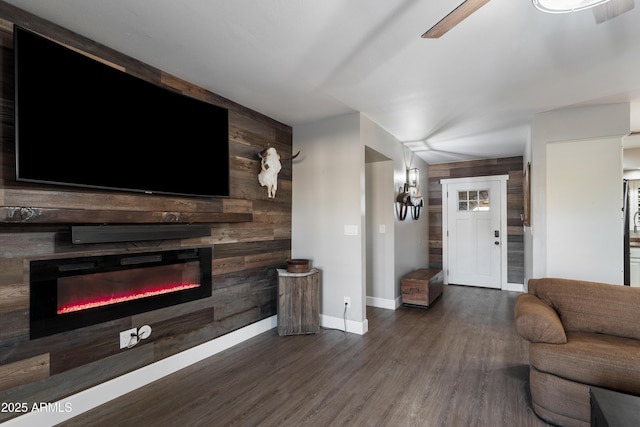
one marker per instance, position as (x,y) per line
(581,334)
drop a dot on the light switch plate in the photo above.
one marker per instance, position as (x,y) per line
(350,230)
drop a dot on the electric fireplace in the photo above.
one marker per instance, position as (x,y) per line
(75,292)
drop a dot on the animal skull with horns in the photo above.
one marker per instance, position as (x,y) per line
(270,167)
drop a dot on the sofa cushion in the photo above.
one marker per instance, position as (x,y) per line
(536,321)
(591,306)
(595,359)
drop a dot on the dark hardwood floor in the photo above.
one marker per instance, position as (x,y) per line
(459,363)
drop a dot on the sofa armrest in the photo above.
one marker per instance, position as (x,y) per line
(538,322)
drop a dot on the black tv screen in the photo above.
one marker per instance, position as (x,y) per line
(80,122)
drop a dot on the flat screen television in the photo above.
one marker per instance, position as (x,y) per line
(80,122)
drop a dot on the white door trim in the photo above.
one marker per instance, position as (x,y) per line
(503,222)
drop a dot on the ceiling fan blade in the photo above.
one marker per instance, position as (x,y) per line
(611,9)
(454,18)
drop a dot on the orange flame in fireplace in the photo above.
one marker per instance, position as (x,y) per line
(114,299)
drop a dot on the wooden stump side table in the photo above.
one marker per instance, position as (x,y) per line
(298,302)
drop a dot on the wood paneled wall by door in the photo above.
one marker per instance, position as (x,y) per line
(250,236)
(512,166)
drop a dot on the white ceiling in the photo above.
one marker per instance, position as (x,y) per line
(469,94)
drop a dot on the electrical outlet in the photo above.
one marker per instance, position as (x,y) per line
(347,301)
(144,332)
(128,338)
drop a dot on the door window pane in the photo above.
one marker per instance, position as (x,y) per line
(473,200)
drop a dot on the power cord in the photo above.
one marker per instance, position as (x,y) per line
(345,322)
(345,316)
(133,340)
(143,333)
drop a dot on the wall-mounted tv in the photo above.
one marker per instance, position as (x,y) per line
(80,122)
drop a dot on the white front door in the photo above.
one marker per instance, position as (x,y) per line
(474,235)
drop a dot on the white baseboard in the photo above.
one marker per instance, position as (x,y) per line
(62,410)
(389,304)
(352,326)
(516,287)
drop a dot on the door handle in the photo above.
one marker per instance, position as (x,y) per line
(496,233)
(496,243)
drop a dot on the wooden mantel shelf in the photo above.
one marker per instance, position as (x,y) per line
(37,215)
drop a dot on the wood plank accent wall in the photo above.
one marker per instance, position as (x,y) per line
(512,166)
(250,236)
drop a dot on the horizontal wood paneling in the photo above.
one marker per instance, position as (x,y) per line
(512,166)
(250,236)
(30,215)
(22,194)
(34,368)
(79,378)
(181,333)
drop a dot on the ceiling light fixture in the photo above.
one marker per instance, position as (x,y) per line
(566,6)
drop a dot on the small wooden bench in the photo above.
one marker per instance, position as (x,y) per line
(421,287)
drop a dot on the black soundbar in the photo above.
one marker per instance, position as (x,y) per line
(81,234)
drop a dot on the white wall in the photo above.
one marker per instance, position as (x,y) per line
(580,123)
(329,192)
(585,227)
(631,159)
(380,233)
(408,246)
